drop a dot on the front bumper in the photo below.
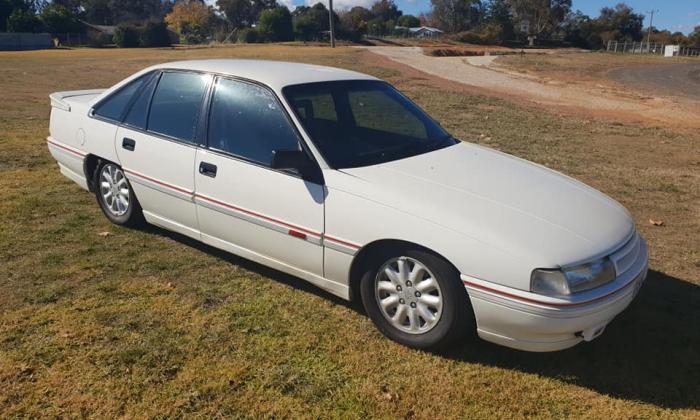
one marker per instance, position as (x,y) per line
(532,322)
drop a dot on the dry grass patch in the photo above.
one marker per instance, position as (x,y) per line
(148,323)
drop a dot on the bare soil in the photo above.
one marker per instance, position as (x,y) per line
(588,94)
(666,79)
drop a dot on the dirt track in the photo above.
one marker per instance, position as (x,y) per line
(597,99)
(667,79)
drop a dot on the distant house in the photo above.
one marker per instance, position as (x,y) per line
(425,32)
(105,30)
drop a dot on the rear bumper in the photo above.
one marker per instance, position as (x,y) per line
(531,322)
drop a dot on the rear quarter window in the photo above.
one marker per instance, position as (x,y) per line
(115,105)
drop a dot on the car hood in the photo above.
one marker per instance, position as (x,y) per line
(519,207)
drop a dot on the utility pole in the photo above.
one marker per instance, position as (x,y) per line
(651,20)
(332,25)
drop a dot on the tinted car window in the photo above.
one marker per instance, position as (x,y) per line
(176,103)
(248,121)
(371,122)
(114,106)
(376,110)
(136,117)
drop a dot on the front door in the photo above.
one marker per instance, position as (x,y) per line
(245,206)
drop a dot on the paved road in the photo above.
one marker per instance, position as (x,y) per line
(664,79)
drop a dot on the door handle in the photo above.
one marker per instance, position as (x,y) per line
(207,169)
(128,144)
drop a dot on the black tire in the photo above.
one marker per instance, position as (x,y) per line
(457,316)
(133,215)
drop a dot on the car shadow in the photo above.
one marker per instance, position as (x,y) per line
(649,353)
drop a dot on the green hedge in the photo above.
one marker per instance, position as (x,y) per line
(148,34)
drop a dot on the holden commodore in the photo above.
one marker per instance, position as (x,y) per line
(337,178)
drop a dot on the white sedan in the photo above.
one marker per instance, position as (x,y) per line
(336,177)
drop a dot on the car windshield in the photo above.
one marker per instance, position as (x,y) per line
(364,122)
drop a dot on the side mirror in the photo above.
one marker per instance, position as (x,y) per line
(297,161)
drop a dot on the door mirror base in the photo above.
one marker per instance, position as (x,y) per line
(299,162)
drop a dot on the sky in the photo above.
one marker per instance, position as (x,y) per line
(674,15)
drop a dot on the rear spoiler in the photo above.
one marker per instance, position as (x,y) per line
(58,98)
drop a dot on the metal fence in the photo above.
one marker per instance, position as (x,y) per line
(649,48)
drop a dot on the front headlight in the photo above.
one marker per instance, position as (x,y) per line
(573,279)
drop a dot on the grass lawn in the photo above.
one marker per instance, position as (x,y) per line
(97,320)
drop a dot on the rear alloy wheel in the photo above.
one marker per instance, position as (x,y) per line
(115,196)
(416,298)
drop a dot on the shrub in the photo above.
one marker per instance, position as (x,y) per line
(151,34)
(248,36)
(154,34)
(126,35)
(468,37)
(98,39)
(192,33)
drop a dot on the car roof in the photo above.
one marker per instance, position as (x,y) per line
(275,74)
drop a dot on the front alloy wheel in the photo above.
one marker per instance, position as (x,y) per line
(416,298)
(408,295)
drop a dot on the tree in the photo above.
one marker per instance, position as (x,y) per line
(98,12)
(276,25)
(191,19)
(310,22)
(621,23)
(57,19)
(243,13)
(353,23)
(543,16)
(386,10)
(135,10)
(499,13)
(237,12)
(694,37)
(455,15)
(409,21)
(23,20)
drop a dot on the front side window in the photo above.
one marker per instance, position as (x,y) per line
(115,105)
(364,122)
(246,120)
(176,103)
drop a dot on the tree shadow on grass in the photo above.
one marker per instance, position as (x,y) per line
(649,353)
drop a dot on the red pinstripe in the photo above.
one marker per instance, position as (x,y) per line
(539,302)
(67,149)
(246,211)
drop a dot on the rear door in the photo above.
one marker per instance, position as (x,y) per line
(245,206)
(157,146)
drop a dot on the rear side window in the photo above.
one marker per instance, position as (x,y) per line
(176,103)
(246,120)
(114,106)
